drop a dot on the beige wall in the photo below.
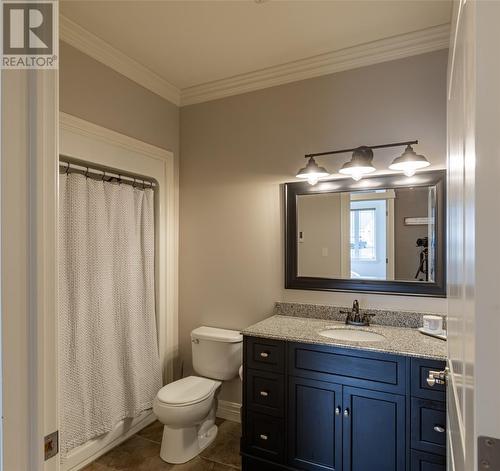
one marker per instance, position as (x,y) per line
(237,151)
(319,221)
(94,92)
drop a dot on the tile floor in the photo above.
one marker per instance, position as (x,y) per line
(142,453)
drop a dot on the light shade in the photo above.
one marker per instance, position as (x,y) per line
(360,163)
(409,162)
(312,172)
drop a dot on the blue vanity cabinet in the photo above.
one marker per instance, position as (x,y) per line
(374,430)
(324,408)
(314,425)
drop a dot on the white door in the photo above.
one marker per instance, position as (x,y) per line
(473,225)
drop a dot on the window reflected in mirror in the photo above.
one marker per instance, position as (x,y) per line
(383,234)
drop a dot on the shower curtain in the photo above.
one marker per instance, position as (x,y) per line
(108,350)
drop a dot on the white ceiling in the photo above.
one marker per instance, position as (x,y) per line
(189,43)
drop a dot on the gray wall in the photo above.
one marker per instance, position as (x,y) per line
(237,151)
(92,91)
(408,203)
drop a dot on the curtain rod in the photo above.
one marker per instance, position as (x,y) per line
(69,164)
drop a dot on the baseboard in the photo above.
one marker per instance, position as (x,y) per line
(229,411)
(89,452)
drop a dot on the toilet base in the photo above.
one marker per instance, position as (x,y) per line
(180,445)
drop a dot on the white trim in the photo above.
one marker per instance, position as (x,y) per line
(95,47)
(396,47)
(345,234)
(388,194)
(390,247)
(88,129)
(383,50)
(87,141)
(168,212)
(229,411)
(29,275)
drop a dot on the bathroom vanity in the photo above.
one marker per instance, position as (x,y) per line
(312,402)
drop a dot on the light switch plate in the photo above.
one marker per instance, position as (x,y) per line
(51,445)
(488,453)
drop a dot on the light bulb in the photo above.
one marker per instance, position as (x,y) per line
(357,176)
(312,180)
(409,172)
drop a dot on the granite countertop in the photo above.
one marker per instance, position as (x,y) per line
(398,340)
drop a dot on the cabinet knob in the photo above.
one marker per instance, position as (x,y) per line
(337,410)
(346,413)
(263,437)
(439,429)
(264,393)
(264,354)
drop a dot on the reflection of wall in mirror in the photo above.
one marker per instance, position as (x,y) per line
(409,202)
(319,251)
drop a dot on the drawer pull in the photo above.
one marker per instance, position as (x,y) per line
(439,429)
(437,377)
(263,437)
(264,354)
(337,410)
(264,393)
(346,413)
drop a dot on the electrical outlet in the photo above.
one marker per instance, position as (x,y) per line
(51,445)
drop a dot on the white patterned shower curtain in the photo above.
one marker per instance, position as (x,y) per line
(108,348)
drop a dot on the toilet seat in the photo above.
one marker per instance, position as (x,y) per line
(187,391)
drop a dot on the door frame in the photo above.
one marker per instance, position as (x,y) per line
(30,101)
(345,209)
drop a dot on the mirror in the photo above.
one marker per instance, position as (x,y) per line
(374,235)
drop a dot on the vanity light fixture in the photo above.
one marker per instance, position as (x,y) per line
(361,162)
(312,172)
(409,162)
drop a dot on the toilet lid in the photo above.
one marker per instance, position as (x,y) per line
(188,390)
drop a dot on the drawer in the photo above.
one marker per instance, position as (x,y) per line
(265,354)
(265,392)
(421,461)
(377,371)
(264,436)
(428,426)
(419,372)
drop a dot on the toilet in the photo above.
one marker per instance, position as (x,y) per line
(187,407)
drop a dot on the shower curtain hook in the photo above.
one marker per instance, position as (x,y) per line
(133,184)
(87,173)
(143,185)
(119,179)
(103,175)
(67,168)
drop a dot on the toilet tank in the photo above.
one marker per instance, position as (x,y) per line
(217,353)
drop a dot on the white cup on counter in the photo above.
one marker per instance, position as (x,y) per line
(433,323)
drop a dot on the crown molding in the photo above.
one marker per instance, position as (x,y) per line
(396,47)
(78,37)
(383,50)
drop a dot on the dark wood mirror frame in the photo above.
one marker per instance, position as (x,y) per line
(435,178)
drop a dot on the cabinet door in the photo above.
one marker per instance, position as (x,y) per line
(374,430)
(314,425)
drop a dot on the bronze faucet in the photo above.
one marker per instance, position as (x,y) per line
(354,318)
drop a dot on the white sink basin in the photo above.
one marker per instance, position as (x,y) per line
(353,335)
